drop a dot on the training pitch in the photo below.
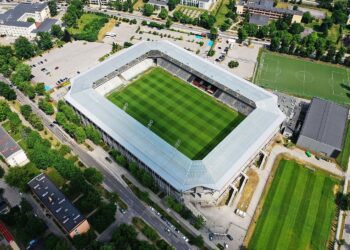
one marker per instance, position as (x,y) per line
(298,210)
(182,115)
(303,78)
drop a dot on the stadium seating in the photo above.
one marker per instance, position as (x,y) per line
(137,69)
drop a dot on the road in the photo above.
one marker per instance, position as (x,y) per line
(184,27)
(135,206)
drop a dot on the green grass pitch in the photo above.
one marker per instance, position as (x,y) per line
(303,78)
(298,210)
(183,116)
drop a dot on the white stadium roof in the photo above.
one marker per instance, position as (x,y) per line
(223,163)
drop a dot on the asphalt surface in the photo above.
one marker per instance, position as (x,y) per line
(185,27)
(135,206)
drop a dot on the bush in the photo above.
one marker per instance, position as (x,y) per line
(211,53)
(233,64)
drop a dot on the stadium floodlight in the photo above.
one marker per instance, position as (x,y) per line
(178,143)
(150,123)
(125,106)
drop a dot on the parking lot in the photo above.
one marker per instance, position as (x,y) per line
(246,56)
(61,64)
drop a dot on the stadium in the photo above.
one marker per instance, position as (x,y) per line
(193,125)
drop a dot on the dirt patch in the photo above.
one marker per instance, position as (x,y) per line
(108,27)
(248,190)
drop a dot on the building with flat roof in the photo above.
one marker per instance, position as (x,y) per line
(67,216)
(15,23)
(158,4)
(266,8)
(202,4)
(11,151)
(205,180)
(324,128)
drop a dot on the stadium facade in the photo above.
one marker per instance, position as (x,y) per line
(204,181)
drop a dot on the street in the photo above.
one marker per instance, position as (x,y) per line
(135,206)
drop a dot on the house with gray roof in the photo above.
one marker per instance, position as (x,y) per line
(11,151)
(324,128)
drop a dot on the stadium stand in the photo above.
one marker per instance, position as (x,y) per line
(109,86)
(137,69)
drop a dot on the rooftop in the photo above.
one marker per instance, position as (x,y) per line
(46,25)
(7,145)
(325,122)
(259,19)
(11,17)
(223,163)
(267,5)
(54,200)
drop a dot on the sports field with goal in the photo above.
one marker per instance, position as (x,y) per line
(182,115)
(298,209)
(303,78)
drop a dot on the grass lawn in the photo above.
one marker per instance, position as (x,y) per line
(298,210)
(343,157)
(303,77)
(221,12)
(181,114)
(55,177)
(88,27)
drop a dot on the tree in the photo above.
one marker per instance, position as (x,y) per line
(339,17)
(172,4)
(23,48)
(19,177)
(207,20)
(211,52)
(56,31)
(52,242)
(198,241)
(275,43)
(4,110)
(148,9)
(242,34)
(93,176)
(163,14)
(40,88)
(124,237)
(226,24)
(199,222)
(7,92)
(233,64)
(213,33)
(66,36)
(44,40)
(21,74)
(45,106)
(103,217)
(52,7)
(30,20)
(339,55)
(81,241)
(35,121)
(296,28)
(307,17)
(79,135)
(90,200)
(26,110)
(93,134)
(168,23)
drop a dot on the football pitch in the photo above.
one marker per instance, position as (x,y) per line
(303,78)
(183,116)
(298,210)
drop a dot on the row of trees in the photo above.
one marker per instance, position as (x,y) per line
(205,20)
(71,123)
(285,38)
(7,92)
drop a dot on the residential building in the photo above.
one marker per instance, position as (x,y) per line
(11,151)
(67,216)
(202,4)
(266,8)
(15,22)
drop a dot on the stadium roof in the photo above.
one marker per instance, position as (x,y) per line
(325,122)
(64,211)
(223,163)
(7,145)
